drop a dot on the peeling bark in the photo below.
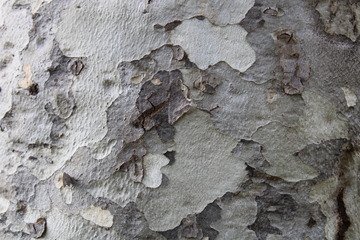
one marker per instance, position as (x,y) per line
(209,120)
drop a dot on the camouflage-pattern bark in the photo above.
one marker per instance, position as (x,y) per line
(179,119)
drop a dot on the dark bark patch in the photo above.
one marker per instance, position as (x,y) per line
(262,227)
(344,220)
(134,167)
(37,229)
(293,69)
(196,226)
(207,84)
(171,26)
(161,103)
(21,207)
(200,17)
(311,223)
(76,67)
(171,156)
(34,89)
(273,205)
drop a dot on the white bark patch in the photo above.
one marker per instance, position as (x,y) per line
(26,82)
(108,28)
(100,217)
(207,44)
(118,188)
(67,194)
(350,97)
(104,149)
(218,12)
(204,156)
(152,165)
(4,204)
(14,38)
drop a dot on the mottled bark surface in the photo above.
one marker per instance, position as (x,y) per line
(179,119)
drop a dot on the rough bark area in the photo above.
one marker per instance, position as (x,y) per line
(169,119)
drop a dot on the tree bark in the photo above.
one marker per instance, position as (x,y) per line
(222,119)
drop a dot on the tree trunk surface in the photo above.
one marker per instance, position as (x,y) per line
(180,119)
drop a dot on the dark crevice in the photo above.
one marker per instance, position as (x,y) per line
(311,223)
(200,17)
(171,156)
(171,26)
(344,220)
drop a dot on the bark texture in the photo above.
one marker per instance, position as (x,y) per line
(179,119)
